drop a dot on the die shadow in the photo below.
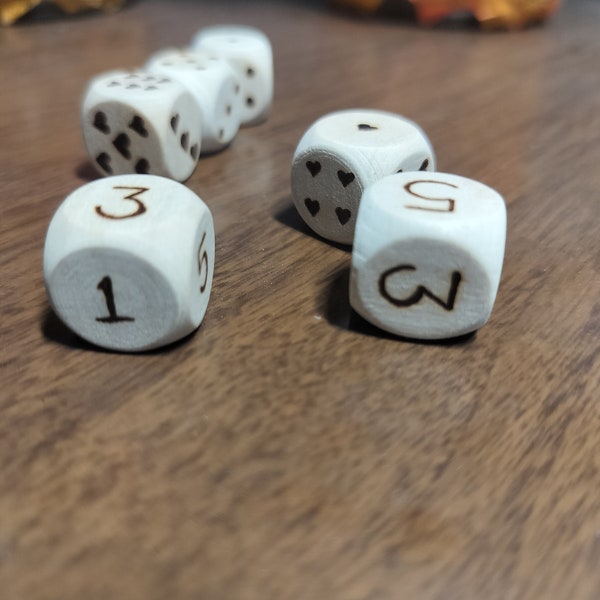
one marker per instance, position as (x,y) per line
(86,171)
(54,330)
(335,304)
(287,215)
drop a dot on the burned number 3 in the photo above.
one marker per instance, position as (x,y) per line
(420,292)
(140,207)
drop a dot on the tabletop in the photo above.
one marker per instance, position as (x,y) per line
(288,449)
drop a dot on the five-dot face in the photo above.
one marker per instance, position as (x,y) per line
(128,125)
(340,155)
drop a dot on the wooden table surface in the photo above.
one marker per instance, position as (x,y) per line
(288,450)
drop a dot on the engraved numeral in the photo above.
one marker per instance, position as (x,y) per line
(421,290)
(105,286)
(448,208)
(140,208)
(203,263)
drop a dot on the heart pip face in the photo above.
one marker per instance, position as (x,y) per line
(327,193)
(141,123)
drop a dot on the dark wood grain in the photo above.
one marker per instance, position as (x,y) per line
(288,450)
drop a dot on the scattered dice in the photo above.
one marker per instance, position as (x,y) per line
(341,154)
(428,253)
(249,51)
(129,260)
(141,123)
(214,85)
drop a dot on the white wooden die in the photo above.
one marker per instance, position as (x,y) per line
(129,260)
(249,51)
(141,123)
(428,253)
(214,85)
(342,153)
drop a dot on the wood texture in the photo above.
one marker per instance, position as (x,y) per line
(288,450)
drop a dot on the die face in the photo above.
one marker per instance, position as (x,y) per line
(249,52)
(428,254)
(94,293)
(364,129)
(327,192)
(215,88)
(422,288)
(126,125)
(138,247)
(344,152)
(183,137)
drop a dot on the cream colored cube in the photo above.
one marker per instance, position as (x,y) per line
(428,253)
(129,261)
(214,85)
(341,154)
(249,52)
(141,123)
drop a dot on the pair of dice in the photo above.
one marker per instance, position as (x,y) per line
(428,247)
(184,103)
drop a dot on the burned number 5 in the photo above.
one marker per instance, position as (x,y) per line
(450,202)
(203,263)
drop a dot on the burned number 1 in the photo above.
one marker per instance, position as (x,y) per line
(106,287)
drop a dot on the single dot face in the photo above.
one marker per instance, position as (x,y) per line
(368,128)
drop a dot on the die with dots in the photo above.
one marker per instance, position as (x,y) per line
(427,255)
(129,260)
(342,153)
(249,52)
(214,85)
(141,123)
